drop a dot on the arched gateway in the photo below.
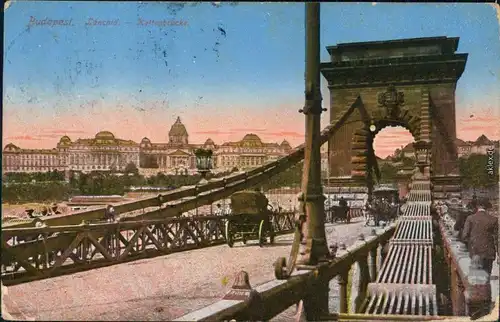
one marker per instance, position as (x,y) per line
(407,82)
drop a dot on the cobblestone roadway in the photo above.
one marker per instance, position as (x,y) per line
(160,288)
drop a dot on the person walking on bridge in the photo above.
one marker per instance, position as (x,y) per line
(45,212)
(109,213)
(472,205)
(480,233)
(345,208)
(460,220)
(54,209)
(219,211)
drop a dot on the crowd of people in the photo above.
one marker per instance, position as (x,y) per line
(477,228)
(44,211)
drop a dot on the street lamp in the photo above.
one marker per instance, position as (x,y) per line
(203,162)
(373,128)
(422,151)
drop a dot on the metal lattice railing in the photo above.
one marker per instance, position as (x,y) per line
(52,251)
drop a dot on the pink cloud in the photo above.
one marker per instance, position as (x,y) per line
(214,132)
(49,136)
(478,121)
(249,130)
(66,132)
(285,134)
(24,138)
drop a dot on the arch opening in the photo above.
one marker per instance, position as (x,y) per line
(392,145)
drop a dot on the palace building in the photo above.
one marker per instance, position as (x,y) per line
(105,152)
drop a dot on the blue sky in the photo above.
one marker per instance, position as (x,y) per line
(257,66)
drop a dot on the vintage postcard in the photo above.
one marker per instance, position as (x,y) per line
(250,161)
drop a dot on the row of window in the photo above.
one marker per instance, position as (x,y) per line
(32,156)
(114,147)
(250,150)
(95,167)
(31,168)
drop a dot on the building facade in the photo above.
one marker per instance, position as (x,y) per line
(481,146)
(464,148)
(105,152)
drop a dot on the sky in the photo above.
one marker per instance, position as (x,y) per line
(226,69)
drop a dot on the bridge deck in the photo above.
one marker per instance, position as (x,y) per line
(404,284)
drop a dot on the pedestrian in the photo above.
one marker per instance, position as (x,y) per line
(344,208)
(460,220)
(45,211)
(444,209)
(480,233)
(109,213)
(54,209)
(472,205)
(219,211)
(367,211)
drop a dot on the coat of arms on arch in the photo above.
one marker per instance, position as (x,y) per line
(392,100)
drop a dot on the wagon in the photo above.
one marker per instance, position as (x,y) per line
(388,193)
(251,218)
(339,213)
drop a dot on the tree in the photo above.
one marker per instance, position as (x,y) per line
(397,154)
(474,171)
(131,168)
(388,173)
(407,162)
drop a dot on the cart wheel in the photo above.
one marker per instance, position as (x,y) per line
(229,236)
(262,238)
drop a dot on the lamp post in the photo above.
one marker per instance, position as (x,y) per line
(203,163)
(312,196)
(422,151)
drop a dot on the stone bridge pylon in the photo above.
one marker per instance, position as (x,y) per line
(409,83)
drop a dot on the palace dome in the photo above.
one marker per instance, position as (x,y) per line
(65,140)
(11,147)
(209,141)
(252,138)
(178,129)
(105,135)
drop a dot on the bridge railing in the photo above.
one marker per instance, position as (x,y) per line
(41,252)
(265,301)
(470,287)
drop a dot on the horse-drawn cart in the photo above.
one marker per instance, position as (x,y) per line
(339,213)
(251,219)
(386,205)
